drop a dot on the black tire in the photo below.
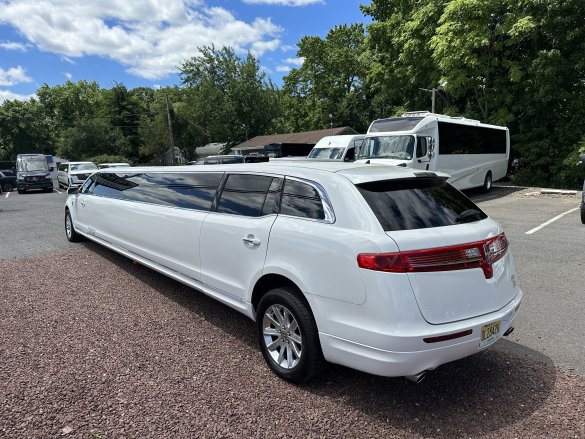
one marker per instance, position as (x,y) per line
(21,191)
(48,189)
(582,213)
(487,182)
(7,187)
(310,362)
(70,233)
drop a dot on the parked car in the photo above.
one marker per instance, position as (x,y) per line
(112,165)
(33,173)
(7,180)
(343,148)
(230,159)
(73,174)
(384,269)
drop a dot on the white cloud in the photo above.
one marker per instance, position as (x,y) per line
(150,37)
(283,2)
(11,45)
(67,60)
(13,76)
(295,61)
(287,48)
(7,95)
(290,63)
(68,75)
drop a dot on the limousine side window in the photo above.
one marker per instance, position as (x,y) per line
(302,200)
(244,194)
(185,190)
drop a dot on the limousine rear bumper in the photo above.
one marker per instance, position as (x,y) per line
(403,362)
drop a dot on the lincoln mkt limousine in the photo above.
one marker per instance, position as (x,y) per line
(387,270)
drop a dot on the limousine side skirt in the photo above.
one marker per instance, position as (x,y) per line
(245,308)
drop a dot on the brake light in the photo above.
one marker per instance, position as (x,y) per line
(481,254)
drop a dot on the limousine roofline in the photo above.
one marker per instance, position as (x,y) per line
(355,172)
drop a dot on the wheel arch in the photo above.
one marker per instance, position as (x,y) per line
(270,281)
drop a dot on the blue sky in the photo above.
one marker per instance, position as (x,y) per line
(140,43)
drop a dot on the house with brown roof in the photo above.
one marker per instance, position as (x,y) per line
(298,144)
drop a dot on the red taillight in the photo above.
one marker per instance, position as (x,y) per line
(481,254)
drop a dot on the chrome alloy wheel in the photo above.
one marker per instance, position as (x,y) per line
(68,225)
(282,336)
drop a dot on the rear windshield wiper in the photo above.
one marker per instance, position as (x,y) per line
(469,213)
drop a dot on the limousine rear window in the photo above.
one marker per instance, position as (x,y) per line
(302,200)
(185,190)
(418,203)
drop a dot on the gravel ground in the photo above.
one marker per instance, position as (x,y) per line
(95,346)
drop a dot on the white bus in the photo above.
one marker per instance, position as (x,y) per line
(474,154)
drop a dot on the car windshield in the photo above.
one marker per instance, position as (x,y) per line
(35,165)
(83,167)
(387,147)
(326,153)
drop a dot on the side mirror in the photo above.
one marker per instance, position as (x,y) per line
(72,190)
(431,143)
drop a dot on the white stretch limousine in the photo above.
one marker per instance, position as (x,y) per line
(387,270)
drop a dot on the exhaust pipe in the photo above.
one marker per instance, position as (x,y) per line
(509,331)
(417,378)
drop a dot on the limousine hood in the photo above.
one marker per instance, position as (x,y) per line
(448,288)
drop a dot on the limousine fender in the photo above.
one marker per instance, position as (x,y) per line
(273,277)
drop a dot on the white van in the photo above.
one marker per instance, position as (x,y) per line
(343,148)
(474,154)
(387,270)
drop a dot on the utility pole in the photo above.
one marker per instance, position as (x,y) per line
(434,91)
(170,130)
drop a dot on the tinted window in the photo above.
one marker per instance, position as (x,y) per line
(468,139)
(244,194)
(302,200)
(418,203)
(421,147)
(394,124)
(186,190)
(87,187)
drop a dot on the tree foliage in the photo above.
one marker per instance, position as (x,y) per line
(519,63)
(228,99)
(328,88)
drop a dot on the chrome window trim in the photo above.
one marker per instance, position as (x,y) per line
(325,201)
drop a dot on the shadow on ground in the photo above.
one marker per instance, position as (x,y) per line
(477,395)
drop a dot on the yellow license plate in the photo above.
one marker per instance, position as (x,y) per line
(489,333)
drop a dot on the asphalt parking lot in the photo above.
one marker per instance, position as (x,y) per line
(92,345)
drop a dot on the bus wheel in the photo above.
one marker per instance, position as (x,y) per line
(487,183)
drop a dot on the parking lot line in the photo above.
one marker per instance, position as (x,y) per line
(550,221)
(58,191)
(7,193)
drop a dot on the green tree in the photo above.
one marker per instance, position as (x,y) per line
(24,128)
(227,99)
(329,82)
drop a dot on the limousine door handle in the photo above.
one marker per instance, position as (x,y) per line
(251,240)
(82,203)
